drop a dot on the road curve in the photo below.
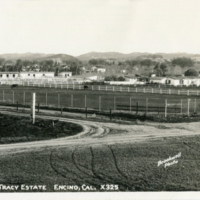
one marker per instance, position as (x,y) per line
(95,133)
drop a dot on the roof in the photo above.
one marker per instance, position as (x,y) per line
(184,77)
(157,78)
(84,75)
(131,76)
(64,72)
(9,72)
(36,72)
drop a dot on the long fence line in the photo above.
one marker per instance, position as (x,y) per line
(109,88)
(167,106)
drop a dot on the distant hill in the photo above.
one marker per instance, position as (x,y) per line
(36,56)
(116,55)
(59,57)
(97,55)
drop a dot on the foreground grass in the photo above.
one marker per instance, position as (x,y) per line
(134,167)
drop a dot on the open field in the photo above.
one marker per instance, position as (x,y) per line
(123,156)
(20,129)
(99,100)
(133,167)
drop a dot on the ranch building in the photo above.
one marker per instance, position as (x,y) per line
(9,75)
(133,79)
(65,74)
(33,75)
(160,80)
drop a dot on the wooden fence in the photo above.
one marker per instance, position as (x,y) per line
(133,89)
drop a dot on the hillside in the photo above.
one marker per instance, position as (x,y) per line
(36,56)
(59,57)
(116,55)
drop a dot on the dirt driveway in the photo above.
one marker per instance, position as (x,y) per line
(105,133)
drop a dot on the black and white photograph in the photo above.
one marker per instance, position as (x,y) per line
(100,97)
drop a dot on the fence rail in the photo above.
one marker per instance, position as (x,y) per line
(132,89)
(104,102)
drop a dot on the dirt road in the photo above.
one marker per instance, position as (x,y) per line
(95,133)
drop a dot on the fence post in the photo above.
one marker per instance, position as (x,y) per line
(128,89)
(160,91)
(178,92)
(99,103)
(188,107)
(130,103)
(85,101)
(79,87)
(24,100)
(58,99)
(46,98)
(120,89)
(144,90)
(13,96)
(113,88)
(165,108)
(3,95)
(86,112)
(71,100)
(188,92)
(114,103)
(195,105)
(181,106)
(175,109)
(136,108)
(146,106)
(92,87)
(73,86)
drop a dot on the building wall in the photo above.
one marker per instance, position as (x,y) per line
(161,81)
(9,75)
(66,74)
(36,75)
(132,80)
(101,70)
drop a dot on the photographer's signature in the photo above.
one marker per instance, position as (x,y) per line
(167,161)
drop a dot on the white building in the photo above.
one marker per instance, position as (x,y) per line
(183,81)
(33,75)
(132,79)
(9,75)
(102,70)
(160,80)
(175,81)
(65,74)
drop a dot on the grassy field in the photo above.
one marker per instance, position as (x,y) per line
(103,100)
(20,129)
(133,167)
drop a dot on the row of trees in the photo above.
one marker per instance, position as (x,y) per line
(181,61)
(45,65)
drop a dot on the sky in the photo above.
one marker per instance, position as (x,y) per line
(77,27)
